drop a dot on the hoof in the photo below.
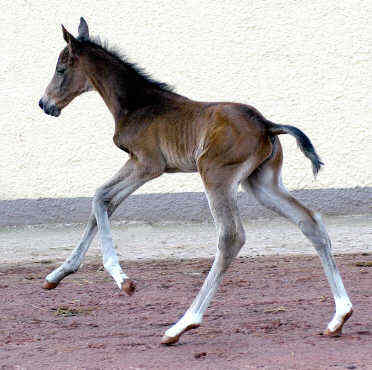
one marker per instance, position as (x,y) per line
(49,285)
(129,287)
(167,340)
(338,331)
(333,333)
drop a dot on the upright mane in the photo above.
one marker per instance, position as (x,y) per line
(133,72)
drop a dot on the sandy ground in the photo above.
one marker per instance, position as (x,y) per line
(268,314)
(137,241)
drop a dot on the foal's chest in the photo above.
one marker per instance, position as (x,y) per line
(119,142)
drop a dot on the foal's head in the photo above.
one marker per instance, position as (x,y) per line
(69,79)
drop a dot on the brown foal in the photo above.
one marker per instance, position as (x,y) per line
(227,143)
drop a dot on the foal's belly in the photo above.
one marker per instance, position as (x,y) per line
(179,164)
(179,147)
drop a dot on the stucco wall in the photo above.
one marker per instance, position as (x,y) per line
(306,63)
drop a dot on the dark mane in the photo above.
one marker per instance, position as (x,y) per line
(132,71)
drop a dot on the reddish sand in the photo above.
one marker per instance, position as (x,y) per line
(268,313)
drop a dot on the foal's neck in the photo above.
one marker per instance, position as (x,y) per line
(122,86)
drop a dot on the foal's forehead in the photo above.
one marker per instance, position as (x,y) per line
(63,56)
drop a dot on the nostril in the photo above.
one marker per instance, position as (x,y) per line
(41,105)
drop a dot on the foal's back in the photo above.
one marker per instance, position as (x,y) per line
(193,134)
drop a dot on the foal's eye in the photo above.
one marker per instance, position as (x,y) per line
(60,71)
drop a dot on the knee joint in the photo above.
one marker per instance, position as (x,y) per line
(101,197)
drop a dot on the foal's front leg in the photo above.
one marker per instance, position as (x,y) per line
(110,257)
(72,263)
(105,202)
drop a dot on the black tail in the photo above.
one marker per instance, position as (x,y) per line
(302,141)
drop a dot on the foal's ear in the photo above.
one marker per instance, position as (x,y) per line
(66,34)
(73,44)
(83,29)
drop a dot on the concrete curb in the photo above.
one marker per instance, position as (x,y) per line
(178,207)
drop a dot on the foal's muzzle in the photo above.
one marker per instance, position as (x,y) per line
(50,109)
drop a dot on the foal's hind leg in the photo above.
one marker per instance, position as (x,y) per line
(106,200)
(267,186)
(222,200)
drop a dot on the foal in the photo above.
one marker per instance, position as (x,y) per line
(227,143)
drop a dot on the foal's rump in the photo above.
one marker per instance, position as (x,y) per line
(274,129)
(238,133)
(235,137)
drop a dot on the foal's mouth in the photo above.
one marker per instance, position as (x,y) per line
(50,109)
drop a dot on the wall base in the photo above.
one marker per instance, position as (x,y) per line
(182,207)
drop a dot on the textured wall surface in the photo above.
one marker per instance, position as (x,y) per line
(306,63)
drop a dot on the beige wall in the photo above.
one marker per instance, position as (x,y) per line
(306,63)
